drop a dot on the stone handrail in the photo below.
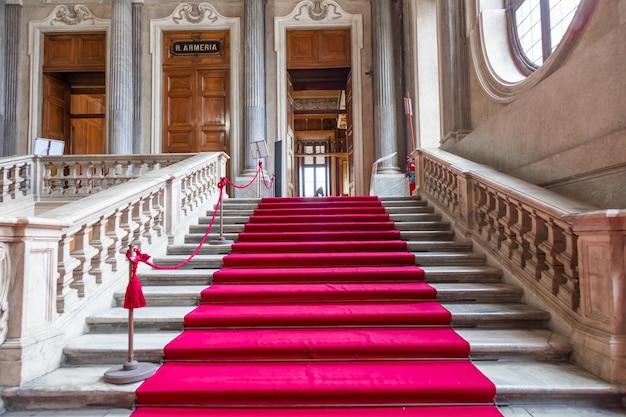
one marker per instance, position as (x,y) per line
(64,264)
(568,255)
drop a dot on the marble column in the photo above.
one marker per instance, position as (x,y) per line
(13,17)
(121,79)
(454,58)
(254,116)
(389,179)
(2,74)
(384,78)
(138,48)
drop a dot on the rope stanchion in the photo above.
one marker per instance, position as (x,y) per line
(131,370)
(221,240)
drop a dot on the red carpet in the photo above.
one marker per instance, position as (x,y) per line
(318,311)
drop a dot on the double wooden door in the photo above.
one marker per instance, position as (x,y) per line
(196,100)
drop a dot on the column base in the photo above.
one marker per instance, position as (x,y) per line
(600,353)
(390,185)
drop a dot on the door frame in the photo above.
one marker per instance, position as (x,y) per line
(198,18)
(332,16)
(62,19)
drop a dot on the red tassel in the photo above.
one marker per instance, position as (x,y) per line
(134,294)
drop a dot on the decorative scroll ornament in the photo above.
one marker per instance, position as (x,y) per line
(5,280)
(318,11)
(72,16)
(204,12)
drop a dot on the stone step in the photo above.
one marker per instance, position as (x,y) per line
(434,274)
(243,217)
(214,261)
(210,248)
(486,344)
(410,226)
(170,318)
(189,295)
(231,234)
(522,384)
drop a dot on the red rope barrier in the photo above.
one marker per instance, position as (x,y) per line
(142,257)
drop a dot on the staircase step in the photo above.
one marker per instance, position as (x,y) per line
(363,343)
(485,344)
(214,249)
(484,315)
(541,386)
(429,313)
(312,383)
(318,293)
(420,258)
(190,295)
(434,274)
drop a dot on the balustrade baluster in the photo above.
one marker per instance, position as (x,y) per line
(118,236)
(83,280)
(100,267)
(67,295)
(535,263)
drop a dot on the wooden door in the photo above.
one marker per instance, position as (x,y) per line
(55,111)
(196,92)
(179,111)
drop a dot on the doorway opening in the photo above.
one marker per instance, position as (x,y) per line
(74,98)
(319,125)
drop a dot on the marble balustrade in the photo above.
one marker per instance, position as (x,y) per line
(568,256)
(61,265)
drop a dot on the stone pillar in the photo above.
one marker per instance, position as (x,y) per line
(389,180)
(455,94)
(2,74)
(599,335)
(254,117)
(138,47)
(13,17)
(121,79)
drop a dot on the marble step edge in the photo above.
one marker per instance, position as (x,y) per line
(215,248)
(486,344)
(421,259)
(168,295)
(434,274)
(396,215)
(483,315)
(409,236)
(430,226)
(517,383)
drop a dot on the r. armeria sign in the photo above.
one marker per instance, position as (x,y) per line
(196,47)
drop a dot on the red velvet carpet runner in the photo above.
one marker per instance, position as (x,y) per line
(318,311)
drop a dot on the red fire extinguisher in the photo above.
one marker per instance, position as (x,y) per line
(410,173)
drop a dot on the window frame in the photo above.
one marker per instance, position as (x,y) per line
(523,62)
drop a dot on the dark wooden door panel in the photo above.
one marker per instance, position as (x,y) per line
(55,111)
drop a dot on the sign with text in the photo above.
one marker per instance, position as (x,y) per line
(196,47)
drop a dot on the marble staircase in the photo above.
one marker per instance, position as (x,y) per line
(510,341)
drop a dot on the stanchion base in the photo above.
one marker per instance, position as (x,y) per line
(129,372)
(220,241)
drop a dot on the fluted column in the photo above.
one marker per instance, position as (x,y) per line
(12,18)
(254,116)
(383,73)
(138,47)
(121,79)
(2,74)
